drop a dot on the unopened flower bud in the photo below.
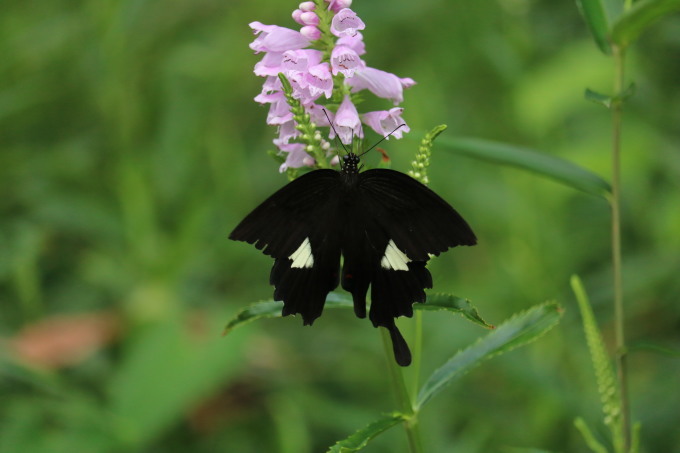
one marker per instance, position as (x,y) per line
(309,18)
(310,32)
(307,6)
(296,16)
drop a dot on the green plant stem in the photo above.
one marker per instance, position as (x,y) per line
(403,399)
(619,317)
(417,352)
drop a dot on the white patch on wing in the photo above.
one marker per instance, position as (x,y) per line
(394,258)
(302,257)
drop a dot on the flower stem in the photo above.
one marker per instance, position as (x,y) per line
(403,399)
(619,317)
(417,351)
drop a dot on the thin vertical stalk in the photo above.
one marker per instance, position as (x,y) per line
(403,399)
(619,317)
(417,352)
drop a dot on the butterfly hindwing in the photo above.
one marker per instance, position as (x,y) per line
(297,227)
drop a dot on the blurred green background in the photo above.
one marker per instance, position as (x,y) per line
(130,146)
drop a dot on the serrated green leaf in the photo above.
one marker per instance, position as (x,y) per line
(552,167)
(272,309)
(595,15)
(519,330)
(360,439)
(449,302)
(637,19)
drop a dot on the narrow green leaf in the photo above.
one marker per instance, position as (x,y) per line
(588,436)
(606,100)
(360,439)
(449,302)
(272,309)
(552,167)
(638,18)
(659,349)
(635,438)
(517,331)
(598,98)
(595,15)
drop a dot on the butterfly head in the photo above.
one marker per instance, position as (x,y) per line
(351,163)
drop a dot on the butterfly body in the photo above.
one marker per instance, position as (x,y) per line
(384,224)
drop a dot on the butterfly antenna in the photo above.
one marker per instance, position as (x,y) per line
(382,139)
(337,136)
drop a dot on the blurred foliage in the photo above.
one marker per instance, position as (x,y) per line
(130,146)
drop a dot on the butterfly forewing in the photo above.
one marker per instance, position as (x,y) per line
(298,227)
(418,220)
(281,223)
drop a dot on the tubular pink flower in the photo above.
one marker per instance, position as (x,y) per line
(287,131)
(279,111)
(319,80)
(317,115)
(386,121)
(347,122)
(356,43)
(297,156)
(295,62)
(345,60)
(382,84)
(309,18)
(346,23)
(272,38)
(337,5)
(270,65)
(310,32)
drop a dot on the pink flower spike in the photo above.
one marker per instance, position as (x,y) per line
(272,38)
(297,156)
(347,122)
(310,32)
(386,121)
(296,16)
(307,6)
(346,23)
(309,18)
(356,43)
(382,84)
(319,80)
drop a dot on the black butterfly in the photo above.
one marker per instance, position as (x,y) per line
(385,224)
